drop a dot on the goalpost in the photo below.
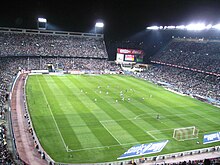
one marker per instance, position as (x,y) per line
(185,133)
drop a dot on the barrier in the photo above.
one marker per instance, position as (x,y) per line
(9,118)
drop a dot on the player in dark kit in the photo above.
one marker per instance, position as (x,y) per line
(158,117)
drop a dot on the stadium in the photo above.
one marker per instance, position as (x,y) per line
(75,98)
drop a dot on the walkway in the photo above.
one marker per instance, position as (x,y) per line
(24,140)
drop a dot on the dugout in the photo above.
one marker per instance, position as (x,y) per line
(50,68)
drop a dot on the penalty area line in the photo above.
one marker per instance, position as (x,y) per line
(151,135)
(110,133)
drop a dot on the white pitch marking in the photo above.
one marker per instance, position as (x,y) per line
(151,135)
(110,133)
(143,114)
(48,105)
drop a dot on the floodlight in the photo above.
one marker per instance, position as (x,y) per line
(170,27)
(209,26)
(193,26)
(42,20)
(42,23)
(99,24)
(198,26)
(153,27)
(181,27)
(217,26)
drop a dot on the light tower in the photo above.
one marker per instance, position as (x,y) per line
(42,23)
(99,27)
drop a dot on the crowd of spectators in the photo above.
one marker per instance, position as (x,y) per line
(27,44)
(59,63)
(185,81)
(5,156)
(192,53)
(6,77)
(212,161)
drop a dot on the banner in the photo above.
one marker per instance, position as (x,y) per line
(143,149)
(129,51)
(211,138)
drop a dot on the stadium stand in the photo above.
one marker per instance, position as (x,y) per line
(197,54)
(65,63)
(5,79)
(23,44)
(5,155)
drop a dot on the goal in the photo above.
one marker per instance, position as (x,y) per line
(185,133)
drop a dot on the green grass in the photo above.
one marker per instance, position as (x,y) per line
(79,113)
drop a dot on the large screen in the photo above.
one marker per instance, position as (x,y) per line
(129,57)
(139,58)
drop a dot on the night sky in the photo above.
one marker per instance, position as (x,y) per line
(122,18)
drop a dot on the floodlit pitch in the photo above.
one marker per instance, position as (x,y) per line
(96,118)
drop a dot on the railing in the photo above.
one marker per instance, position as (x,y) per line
(9,118)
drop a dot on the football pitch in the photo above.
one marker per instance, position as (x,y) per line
(96,118)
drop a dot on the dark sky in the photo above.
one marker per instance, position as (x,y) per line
(121,17)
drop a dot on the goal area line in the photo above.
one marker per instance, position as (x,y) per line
(187,139)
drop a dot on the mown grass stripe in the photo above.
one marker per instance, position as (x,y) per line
(87,116)
(134,110)
(110,111)
(64,119)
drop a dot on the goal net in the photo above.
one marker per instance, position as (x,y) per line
(185,133)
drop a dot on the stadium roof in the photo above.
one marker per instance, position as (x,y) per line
(122,17)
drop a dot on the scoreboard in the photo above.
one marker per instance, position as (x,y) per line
(129,55)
